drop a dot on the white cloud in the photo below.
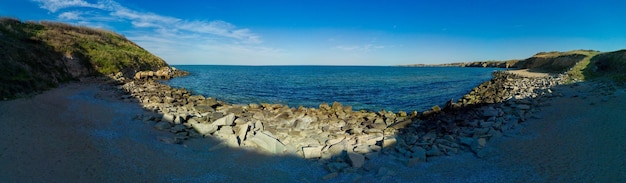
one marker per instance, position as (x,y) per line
(55,5)
(161,34)
(147,20)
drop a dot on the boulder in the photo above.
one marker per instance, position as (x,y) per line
(356,160)
(168,118)
(268,143)
(204,128)
(162,125)
(243,132)
(312,152)
(227,120)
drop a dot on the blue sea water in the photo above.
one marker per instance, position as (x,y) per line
(363,87)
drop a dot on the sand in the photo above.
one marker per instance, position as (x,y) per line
(527,73)
(77,133)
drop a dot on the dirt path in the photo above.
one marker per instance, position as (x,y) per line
(76,134)
(69,134)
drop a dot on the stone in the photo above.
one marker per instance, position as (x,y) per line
(434,151)
(362,149)
(168,118)
(243,132)
(225,131)
(490,112)
(312,152)
(466,141)
(178,128)
(204,108)
(482,142)
(418,152)
(356,160)
(169,140)
(204,128)
(162,125)
(412,162)
(179,120)
(401,124)
(523,107)
(330,176)
(337,149)
(227,120)
(389,141)
(303,123)
(268,143)
(336,166)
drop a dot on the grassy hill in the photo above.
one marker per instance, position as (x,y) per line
(40,55)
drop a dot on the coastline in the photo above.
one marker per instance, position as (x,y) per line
(341,167)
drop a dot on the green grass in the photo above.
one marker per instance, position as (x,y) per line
(34,56)
(582,70)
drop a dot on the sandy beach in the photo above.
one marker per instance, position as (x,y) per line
(80,133)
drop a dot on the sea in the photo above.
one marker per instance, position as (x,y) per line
(371,88)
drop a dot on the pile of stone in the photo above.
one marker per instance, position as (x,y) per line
(314,133)
(341,138)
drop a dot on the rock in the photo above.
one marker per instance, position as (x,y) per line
(434,151)
(418,152)
(362,149)
(268,143)
(356,160)
(330,176)
(179,120)
(227,120)
(168,118)
(243,132)
(162,125)
(436,108)
(523,107)
(336,166)
(169,140)
(178,128)
(312,152)
(401,124)
(225,131)
(389,141)
(204,128)
(490,112)
(204,108)
(412,162)
(466,141)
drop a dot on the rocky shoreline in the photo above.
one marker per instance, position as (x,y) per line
(341,139)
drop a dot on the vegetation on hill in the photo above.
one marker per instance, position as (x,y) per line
(554,62)
(609,64)
(40,55)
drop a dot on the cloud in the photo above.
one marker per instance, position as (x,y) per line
(55,5)
(157,33)
(146,19)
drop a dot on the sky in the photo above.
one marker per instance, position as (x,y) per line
(342,32)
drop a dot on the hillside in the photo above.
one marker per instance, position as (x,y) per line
(40,55)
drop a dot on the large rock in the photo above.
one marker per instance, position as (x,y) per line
(227,120)
(168,118)
(204,128)
(268,143)
(356,160)
(312,152)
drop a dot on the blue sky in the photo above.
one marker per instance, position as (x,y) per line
(364,32)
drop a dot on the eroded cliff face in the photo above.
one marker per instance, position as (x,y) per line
(553,61)
(35,56)
(611,61)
